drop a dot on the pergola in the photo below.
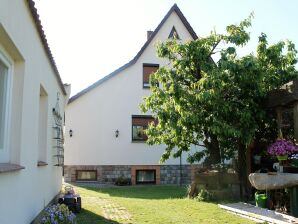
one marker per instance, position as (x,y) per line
(285,103)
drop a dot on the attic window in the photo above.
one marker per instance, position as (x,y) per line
(174,34)
(148,69)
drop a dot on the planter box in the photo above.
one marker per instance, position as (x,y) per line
(222,185)
(290,169)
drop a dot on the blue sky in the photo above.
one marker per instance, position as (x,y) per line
(91,38)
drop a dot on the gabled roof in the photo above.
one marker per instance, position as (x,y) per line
(174,8)
(35,16)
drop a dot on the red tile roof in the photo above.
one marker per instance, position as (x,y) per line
(35,16)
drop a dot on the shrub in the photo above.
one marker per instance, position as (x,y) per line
(121,181)
(205,195)
(58,214)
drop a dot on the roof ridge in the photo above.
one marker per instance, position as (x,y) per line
(174,8)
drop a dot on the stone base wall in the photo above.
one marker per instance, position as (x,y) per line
(170,174)
(107,174)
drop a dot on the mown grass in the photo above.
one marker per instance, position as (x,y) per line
(152,205)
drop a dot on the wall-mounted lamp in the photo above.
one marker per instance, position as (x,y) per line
(70,133)
(117,133)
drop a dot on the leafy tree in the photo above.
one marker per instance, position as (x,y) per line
(217,105)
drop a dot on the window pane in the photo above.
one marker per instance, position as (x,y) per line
(145,175)
(147,71)
(86,175)
(138,133)
(3,83)
(139,125)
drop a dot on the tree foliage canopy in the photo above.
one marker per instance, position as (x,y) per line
(198,100)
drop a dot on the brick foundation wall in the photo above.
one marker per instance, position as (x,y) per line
(107,174)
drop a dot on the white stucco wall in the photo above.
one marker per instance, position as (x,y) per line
(24,193)
(95,116)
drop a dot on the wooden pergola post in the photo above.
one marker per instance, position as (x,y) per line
(295,114)
(279,121)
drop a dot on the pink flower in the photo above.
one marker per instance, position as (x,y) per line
(282,147)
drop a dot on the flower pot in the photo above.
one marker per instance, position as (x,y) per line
(261,200)
(282,157)
(257,159)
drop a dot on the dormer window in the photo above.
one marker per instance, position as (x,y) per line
(173,34)
(148,69)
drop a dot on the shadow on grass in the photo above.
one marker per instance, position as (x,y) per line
(141,192)
(88,217)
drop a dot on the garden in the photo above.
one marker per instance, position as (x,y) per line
(242,113)
(148,204)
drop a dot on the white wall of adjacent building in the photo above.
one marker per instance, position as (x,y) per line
(95,116)
(26,192)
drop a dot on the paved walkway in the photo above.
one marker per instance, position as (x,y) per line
(258,214)
(109,210)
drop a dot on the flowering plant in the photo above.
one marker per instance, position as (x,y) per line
(58,214)
(282,147)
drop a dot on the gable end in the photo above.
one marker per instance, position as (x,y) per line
(174,8)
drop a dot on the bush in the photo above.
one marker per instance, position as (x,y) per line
(122,181)
(205,195)
(58,214)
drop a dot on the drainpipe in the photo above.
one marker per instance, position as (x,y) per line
(180,170)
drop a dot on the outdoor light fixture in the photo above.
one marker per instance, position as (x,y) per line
(70,133)
(117,133)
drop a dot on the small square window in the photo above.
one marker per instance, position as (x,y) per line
(139,124)
(86,175)
(145,176)
(148,69)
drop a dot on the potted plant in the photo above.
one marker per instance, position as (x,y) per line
(282,149)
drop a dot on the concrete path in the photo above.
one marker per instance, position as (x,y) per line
(257,214)
(108,209)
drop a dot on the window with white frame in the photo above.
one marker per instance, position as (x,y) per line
(4,90)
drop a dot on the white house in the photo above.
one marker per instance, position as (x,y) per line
(30,90)
(104,125)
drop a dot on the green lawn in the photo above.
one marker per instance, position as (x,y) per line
(148,204)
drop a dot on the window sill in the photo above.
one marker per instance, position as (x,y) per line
(9,167)
(86,181)
(138,141)
(41,163)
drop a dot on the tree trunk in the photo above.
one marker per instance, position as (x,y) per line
(242,171)
(212,146)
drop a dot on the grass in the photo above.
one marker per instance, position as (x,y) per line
(148,204)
